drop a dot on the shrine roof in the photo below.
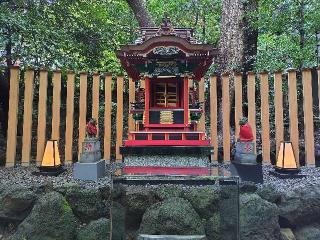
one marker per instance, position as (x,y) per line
(166,44)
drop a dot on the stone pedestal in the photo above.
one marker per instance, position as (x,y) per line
(247,172)
(89,171)
(90,151)
(90,165)
(244,153)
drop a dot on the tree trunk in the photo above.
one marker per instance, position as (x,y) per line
(238,42)
(141,13)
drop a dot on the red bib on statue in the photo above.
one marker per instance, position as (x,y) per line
(246,133)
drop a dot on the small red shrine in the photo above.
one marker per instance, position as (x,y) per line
(166,62)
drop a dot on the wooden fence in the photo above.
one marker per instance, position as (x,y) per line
(248,89)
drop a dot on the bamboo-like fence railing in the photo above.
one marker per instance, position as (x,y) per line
(252,97)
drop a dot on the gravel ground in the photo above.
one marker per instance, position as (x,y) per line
(23,176)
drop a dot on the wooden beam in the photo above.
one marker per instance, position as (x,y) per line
(318,71)
(107,115)
(213,117)
(119,125)
(12,117)
(278,104)
(27,117)
(186,101)
(252,104)
(56,102)
(69,117)
(265,121)
(132,98)
(82,110)
(95,98)
(238,101)
(308,117)
(202,121)
(226,117)
(42,115)
(293,111)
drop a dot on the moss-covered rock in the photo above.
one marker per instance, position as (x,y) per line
(212,227)
(258,218)
(118,221)
(174,216)
(301,206)
(270,194)
(163,192)
(87,204)
(311,232)
(16,203)
(97,230)
(51,218)
(136,204)
(205,200)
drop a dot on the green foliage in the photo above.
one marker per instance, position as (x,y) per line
(287,33)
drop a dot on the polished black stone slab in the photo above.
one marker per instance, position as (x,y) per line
(247,172)
(166,150)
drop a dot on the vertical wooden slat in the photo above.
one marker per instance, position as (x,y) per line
(82,109)
(119,125)
(69,117)
(27,117)
(213,117)
(42,115)
(318,70)
(238,101)
(265,127)
(95,98)
(12,117)
(278,104)
(202,126)
(226,117)
(186,102)
(56,80)
(308,116)
(107,115)
(293,111)
(252,103)
(132,91)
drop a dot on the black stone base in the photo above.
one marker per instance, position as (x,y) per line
(43,171)
(286,175)
(247,172)
(166,150)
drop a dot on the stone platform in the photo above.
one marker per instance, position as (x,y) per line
(89,171)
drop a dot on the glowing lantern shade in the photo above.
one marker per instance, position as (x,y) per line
(51,157)
(286,161)
(51,164)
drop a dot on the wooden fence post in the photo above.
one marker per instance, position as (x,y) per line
(95,98)
(278,102)
(27,117)
(82,110)
(56,102)
(119,125)
(12,117)
(69,117)
(293,111)
(132,91)
(213,116)
(308,116)
(202,121)
(265,121)
(238,101)
(107,115)
(251,85)
(226,116)
(318,70)
(42,115)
